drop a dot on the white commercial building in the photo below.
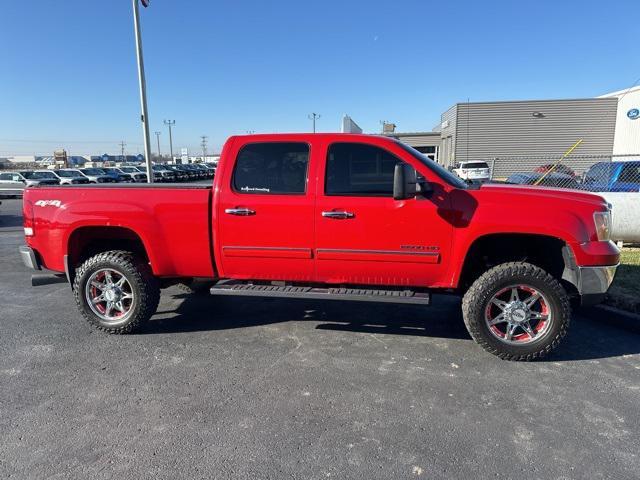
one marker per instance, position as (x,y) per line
(626,138)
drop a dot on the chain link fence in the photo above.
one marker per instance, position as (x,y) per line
(619,173)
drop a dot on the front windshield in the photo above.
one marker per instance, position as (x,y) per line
(69,173)
(451,178)
(93,171)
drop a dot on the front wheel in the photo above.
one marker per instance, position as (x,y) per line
(116,291)
(517,311)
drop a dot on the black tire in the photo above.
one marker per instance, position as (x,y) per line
(144,288)
(476,302)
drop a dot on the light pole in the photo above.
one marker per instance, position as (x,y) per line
(314,117)
(203,144)
(170,123)
(158,138)
(143,89)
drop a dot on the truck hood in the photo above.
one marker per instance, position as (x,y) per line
(546,192)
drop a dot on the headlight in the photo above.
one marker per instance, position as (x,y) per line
(602,222)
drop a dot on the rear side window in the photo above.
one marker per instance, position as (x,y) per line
(356,169)
(271,168)
(475,165)
(630,173)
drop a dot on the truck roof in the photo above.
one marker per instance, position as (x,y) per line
(309,135)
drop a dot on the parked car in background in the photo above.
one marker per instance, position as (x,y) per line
(135,174)
(550,180)
(477,171)
(97,175)
(196,172)
(117,174)
(555,168)
(166,174)
(68,177)
(206,173)
(181,175)
(613,177)
(156,175)
(12,184)
(191,175)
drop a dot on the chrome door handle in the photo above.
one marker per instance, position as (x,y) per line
(243,212)
(338,214)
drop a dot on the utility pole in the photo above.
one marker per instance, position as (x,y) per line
(122,145)
(203,144)
(143,89)
(170,123)
(158,138)
(314,117)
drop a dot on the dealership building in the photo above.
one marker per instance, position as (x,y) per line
(506,131)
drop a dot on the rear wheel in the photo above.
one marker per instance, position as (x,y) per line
(116,291)
(517,311)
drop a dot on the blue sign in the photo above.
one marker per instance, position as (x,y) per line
(633,113)
(140,158)
(105,158)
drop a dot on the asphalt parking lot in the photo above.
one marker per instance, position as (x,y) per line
(266,388)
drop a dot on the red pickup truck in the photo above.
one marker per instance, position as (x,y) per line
(331,216)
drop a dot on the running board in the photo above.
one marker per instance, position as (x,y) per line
(319,293)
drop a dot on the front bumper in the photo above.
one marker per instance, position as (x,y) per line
(591,282)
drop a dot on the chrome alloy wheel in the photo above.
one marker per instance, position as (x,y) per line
(109,295)
(518,315)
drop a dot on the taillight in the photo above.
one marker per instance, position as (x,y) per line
(27,218)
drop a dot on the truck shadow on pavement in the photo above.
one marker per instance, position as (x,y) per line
(590,337)
(10,221)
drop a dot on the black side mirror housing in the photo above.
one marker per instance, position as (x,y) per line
(405,182)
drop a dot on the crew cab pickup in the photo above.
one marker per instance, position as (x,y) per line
(331,216)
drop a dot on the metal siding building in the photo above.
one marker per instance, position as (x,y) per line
(489,130)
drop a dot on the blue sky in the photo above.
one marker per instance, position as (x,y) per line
(68,75)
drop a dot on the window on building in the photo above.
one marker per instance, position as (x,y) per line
(430,151)
(271,168)
(357,169)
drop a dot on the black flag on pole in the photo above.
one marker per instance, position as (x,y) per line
(145,3)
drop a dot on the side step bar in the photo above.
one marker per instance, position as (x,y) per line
(320,293)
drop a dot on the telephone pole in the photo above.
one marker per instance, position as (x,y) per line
(203,144)
(170,123)
(143,88)
(313,117)
(158,138)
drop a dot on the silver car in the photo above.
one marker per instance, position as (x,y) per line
(135,174)
(70,177)
(97,175)
(13,183)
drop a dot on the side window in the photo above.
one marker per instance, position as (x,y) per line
(630,174)
(357,169)
(271,168)
(5,176)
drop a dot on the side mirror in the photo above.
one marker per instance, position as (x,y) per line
(404,182)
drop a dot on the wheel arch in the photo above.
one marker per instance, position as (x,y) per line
(486,251)
(86,241)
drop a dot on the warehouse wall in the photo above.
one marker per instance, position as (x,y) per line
(484,131)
